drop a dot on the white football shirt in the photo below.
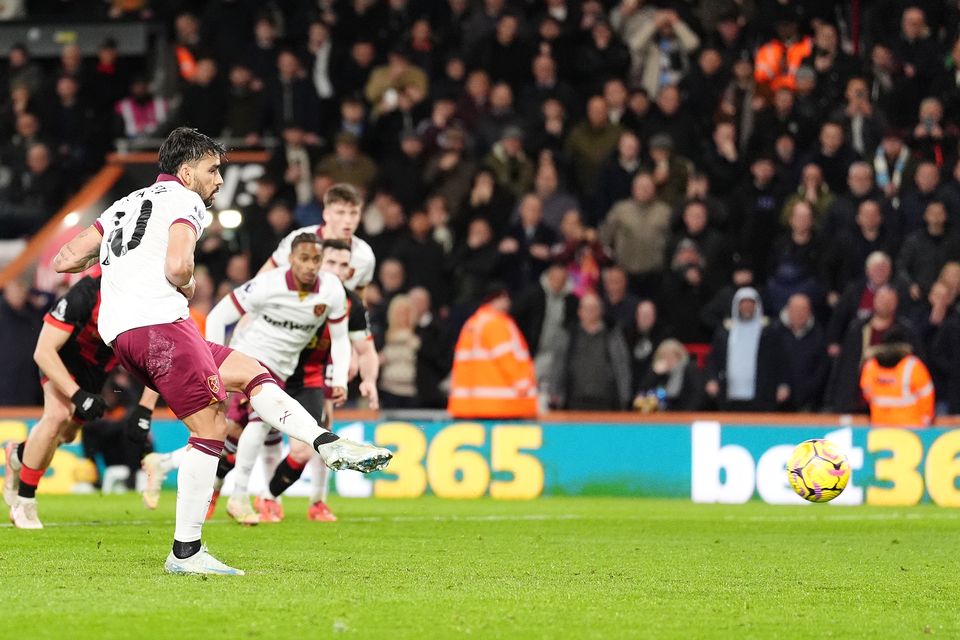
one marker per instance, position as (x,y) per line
(283,320)
(135,291)
(362,260)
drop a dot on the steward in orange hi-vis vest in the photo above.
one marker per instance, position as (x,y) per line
(493,373)
(897,385)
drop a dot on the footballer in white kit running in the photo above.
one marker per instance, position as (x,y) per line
(286,308)
(342,208)
(145,244)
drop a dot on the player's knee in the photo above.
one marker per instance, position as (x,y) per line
(68,433)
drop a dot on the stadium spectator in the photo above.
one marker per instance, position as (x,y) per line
(744,371)
(897,385)
(840,218)
(617,172)
(450,171)
(525,249)
(347,163)
(38,189)
(590,142)
(547,86)
(619,305)
(804,354)
(636,230)
(543,311)
(398,356)
(243,113)
(21,319)
(601,55)
(857,300)
(913,204)
(312,212)
(488,200)
(849,249)
(591,366)
(671,119)
(291,165)
(674,375)
(684,292)
(21,70)
(670,171)
(511,167)
(555,200)
(434,357)
(712,244)
(401,172)
(423,260)
(795,261)
(493,375)
(661,50)
(387,81)
(863,125)
(141,114)
(843,392)
(813,190)
(643,334)
(926,250)
(204,102)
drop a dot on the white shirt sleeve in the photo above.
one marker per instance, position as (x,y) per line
(191,213)
(250,297)
(222,315)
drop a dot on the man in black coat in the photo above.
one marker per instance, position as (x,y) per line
(543,311)
(843,388)
(804,354)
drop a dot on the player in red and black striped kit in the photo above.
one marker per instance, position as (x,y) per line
(74,363)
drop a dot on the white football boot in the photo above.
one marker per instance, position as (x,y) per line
(347,454)
(23,514)
(151,465)
(238,508)
(11,474)
(200,563)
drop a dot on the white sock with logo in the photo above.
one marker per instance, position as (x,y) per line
(285,414)
(195,479)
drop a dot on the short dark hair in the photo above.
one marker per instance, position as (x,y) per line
(186,146)
(341,192)
(304,238)
(336,244)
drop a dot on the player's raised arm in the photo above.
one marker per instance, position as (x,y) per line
(369,363)
(340,350)
(178,266)
(81,253)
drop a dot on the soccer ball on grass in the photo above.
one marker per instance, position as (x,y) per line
(818,470)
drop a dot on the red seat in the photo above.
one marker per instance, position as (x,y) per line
(700,351)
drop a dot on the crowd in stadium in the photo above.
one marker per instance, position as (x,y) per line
(694,205)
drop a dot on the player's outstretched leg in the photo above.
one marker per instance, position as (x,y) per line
(285,414)
(157,466)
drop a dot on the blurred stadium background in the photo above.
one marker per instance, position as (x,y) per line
(622,168)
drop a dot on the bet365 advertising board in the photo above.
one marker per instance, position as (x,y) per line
(704,461)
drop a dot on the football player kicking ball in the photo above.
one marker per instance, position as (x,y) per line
(341,216)
(145,243)
(74,363)
(308,385)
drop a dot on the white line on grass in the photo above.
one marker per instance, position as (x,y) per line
(491,518)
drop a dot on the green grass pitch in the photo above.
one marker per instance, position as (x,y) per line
(429,568)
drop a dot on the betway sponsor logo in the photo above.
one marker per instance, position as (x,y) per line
(286,324)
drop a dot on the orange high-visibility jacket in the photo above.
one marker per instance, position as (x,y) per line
(493,374)
(776,63)
(900,396)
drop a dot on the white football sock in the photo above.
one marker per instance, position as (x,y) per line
(248,448)
(194,490)
(319,479)
(172,460)
(285,414)
(271,454)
